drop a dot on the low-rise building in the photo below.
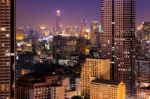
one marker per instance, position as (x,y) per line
(34,87)
(57,92)
(143,92)
(70,94)
(106,89)
(93,68)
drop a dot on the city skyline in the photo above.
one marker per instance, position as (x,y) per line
(74,49)
(33,15)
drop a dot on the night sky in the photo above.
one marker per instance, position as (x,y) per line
(42,12)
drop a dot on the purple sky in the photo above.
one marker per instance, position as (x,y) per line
(42,12)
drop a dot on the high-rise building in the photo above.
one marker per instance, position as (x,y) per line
(93,68)
(58,14)
(83,27)
(118,39)
(95,35)
(7,42)
(106,89)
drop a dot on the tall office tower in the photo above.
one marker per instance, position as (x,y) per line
(93,68)
(83,27)
(7,41)
(95,35)
(118,39)
(58,14)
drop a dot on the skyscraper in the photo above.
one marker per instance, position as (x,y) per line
(83,27)
(118,39)
(7,37)
(58,13)
(95,35)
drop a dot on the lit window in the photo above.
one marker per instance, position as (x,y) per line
(7,54)
(3,45)
(3,29)
(7,35)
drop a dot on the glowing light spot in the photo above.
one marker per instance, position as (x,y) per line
(3,29)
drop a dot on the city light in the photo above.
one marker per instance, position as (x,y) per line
(87,30)
(3,29)
(68,49)
(139,27)
(42,27)
(58,12)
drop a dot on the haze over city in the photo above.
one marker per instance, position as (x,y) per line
(42,12)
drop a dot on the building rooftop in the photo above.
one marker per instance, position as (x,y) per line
(105,81)
(146,88)
(34,78)
(55,85)
(91,57)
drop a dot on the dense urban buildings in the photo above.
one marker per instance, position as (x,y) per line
(143,37)
(146,29)
(7,45)
(142,62)
(118,39)
(143,72)
(68,54)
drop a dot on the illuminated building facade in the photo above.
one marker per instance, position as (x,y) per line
(34,87)
(106,89)
(146,30)
(93,68)
(143,36)
(118,39)
(95,35)
(66,83)
(7,37)
(143,93)
(67,30)
(21,44)
(57,92)
(20,35)
(143,72)
(78,86)
(70,94)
